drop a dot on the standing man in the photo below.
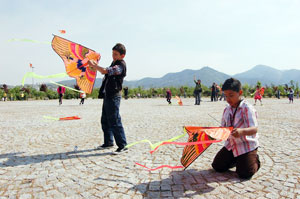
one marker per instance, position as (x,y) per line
(110,92)
(213,92)
(197,91)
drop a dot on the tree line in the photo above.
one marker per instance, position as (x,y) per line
(22,93)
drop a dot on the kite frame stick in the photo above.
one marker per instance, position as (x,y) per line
(69,41)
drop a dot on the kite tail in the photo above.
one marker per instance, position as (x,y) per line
(70,118)
(51,118)
(32,74)
(186,143)
(160,167)
(153,146)
(29,40)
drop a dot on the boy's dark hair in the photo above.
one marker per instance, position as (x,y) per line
(232,84)
(120,48)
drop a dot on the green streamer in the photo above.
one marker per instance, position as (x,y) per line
(51,118)
(29,40)
(66,87)
(153,146)
(32,74)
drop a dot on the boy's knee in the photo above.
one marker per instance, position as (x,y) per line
(218,167)
(246,174)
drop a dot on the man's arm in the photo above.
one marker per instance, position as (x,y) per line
(195,79)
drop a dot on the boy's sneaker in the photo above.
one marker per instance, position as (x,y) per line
(120,150)
(105,146)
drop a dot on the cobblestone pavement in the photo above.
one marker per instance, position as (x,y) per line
(38,160)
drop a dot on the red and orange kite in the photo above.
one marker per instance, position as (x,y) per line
(200,138)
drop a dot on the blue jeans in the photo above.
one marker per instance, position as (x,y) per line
(111,122)
(197,98)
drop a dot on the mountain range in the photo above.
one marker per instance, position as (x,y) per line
(265,74)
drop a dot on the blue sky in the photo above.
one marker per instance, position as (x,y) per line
(161,36)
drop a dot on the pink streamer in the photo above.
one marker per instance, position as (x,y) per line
(162,166)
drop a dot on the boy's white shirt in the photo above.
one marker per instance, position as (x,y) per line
(246,116)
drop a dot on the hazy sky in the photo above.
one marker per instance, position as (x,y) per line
(161,36)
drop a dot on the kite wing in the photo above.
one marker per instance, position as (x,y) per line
(262,91)
(76,57)
(196,134)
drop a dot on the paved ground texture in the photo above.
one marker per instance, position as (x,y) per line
(38,160)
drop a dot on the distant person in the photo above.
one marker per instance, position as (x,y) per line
(291,95)
(82,97)
(126,93)
(213,92)
(257,95)
(278,93)
(4,96)
(169,96)
(22,95)
(61,91)
(11,97)
(240,149)
(222,95)
(297,94)
(197,91)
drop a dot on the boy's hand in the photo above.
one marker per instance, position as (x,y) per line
(237,132)
(93,64)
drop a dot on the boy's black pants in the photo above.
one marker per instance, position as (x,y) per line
(246,164)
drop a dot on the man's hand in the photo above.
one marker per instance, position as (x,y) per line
(237,132)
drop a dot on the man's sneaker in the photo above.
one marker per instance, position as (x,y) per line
(121,150)
(105,146)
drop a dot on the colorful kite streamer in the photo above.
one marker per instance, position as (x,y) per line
(186,143)
(62,118)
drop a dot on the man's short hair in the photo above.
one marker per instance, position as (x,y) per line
(120,48)
(232,84)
